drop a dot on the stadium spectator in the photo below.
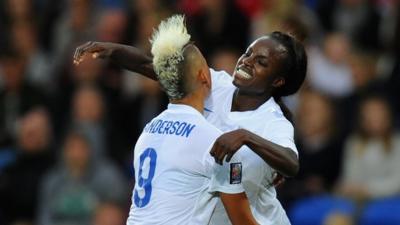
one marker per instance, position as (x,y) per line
(38,65)
(365,81)
(68,81)
(71,191)
(19,182)
(111,26)
(372,154)
(74,25)
(319,142)
(88,115)
(329,71)
(16,96)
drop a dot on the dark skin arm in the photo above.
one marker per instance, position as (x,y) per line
(282,159)
(127,57)
(238,208)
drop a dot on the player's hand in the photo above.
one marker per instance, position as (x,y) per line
(227,144)
(95,49)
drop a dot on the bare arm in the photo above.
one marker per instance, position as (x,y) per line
(127,57)
(282,159)
(238,208)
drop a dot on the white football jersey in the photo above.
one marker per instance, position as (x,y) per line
(266,121)
(174,172)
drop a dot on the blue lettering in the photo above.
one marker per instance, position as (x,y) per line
(181,128)
(169,124)
(160,131)
(174,127)
(187,130)
(156,126)
(150,126)
(169,127)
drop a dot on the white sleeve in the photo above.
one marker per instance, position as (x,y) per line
(207,160)
(281,132)
(220,78)
(228,177)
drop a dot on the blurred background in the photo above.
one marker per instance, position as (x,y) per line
(67,133)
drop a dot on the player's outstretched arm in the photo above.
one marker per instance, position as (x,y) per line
(238,208)
(125,56)
(282,159)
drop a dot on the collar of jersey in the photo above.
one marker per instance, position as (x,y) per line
(269,105)
(182,108)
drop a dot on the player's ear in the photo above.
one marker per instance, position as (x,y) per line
(278,82)
(204,77)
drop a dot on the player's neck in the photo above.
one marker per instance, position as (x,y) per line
(192,100)
(246,101)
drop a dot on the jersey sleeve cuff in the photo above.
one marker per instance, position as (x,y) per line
(235,189)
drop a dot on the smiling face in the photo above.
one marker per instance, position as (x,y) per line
(258,69)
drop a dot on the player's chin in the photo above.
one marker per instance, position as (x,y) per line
(241,82)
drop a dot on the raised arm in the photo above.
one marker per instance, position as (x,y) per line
(238,208)
(127,57)
(283,160)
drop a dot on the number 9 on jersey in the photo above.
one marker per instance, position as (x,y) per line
(147,167)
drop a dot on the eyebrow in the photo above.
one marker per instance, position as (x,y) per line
(259,55)
(262,56)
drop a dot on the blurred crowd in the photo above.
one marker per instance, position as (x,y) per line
(67,132)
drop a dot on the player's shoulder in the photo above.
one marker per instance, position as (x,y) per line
(274,113)
(280,124)
(207,128)
(276,120)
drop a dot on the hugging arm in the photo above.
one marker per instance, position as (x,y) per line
(282,159)
(125,56)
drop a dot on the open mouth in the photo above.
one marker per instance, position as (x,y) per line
(243,74)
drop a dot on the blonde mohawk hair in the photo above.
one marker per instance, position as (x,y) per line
(167,43)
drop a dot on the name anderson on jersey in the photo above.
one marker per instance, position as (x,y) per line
(178,128)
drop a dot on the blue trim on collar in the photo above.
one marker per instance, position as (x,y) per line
(207,110)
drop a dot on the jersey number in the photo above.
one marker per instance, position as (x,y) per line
(145,183)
